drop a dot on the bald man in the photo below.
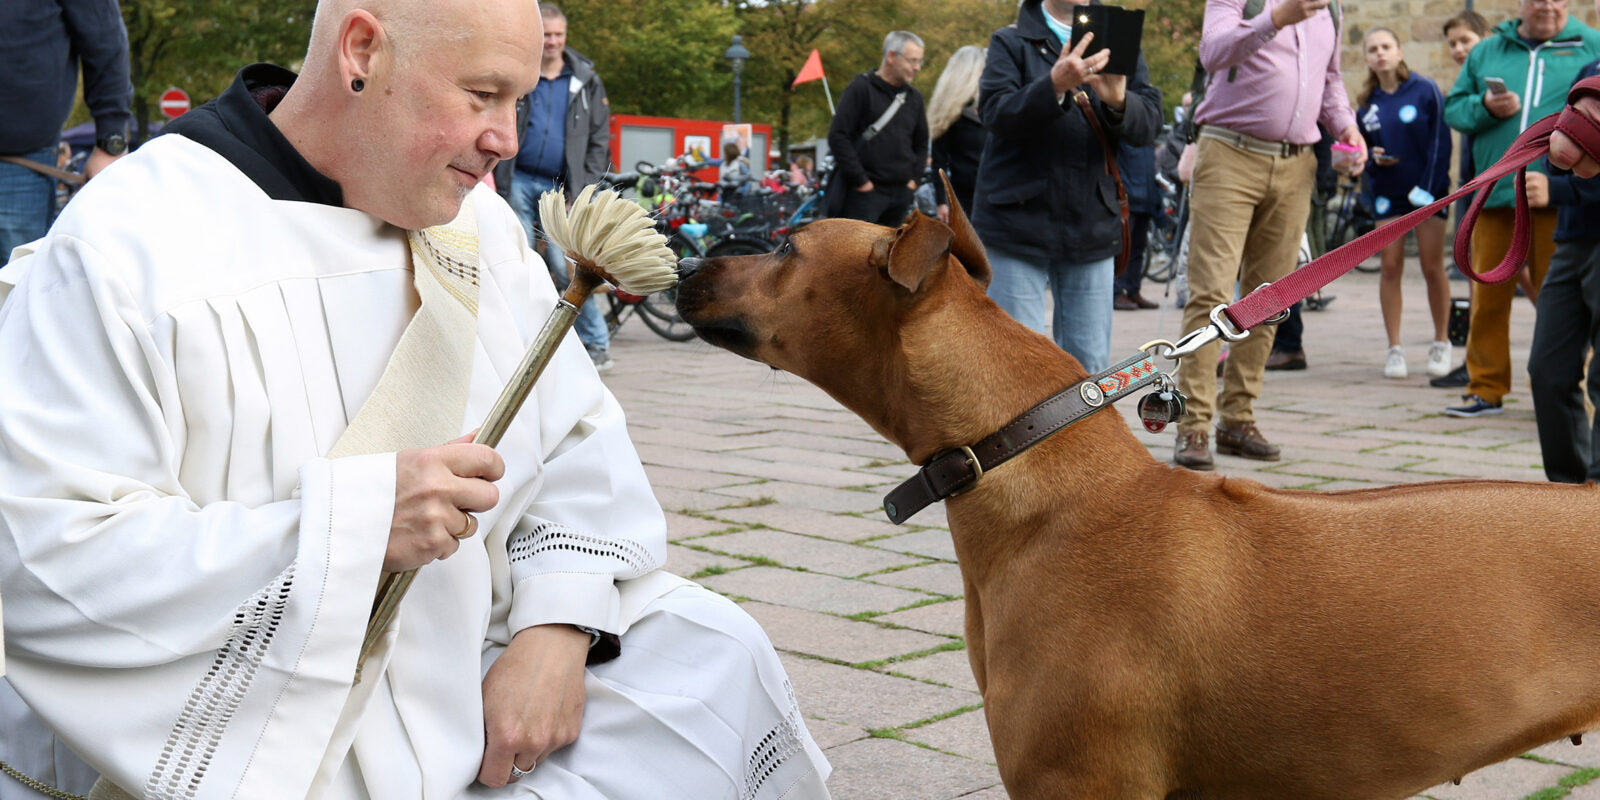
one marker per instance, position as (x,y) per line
(254,353)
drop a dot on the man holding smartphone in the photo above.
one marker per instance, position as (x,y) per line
(1507,83)
(1274,74)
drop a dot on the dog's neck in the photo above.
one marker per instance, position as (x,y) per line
(966,389)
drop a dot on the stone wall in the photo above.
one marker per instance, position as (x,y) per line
(1420,27)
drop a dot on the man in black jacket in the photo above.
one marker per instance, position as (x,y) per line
(1046,205)
(565,130)
(879,137)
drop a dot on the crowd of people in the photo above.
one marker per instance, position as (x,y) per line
(1054,160)
(280,429)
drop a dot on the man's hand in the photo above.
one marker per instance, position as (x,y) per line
(1502,105)
(865,187)
(1538,186)
(1566,154)
(1072,69)
(1352,136)
(1291,12)
(435,488)
(532,700)
(98,160)
(944,213)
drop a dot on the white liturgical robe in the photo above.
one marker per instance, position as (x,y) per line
(187,576)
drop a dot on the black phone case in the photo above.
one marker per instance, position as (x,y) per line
(1117,29)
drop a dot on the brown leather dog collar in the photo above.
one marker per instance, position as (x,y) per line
(956,470)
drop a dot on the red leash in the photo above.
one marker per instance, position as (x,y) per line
(1275,298)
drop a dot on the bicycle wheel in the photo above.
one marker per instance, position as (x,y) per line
(659,311)
(1158,262)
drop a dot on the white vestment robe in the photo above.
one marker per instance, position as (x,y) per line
(187,577)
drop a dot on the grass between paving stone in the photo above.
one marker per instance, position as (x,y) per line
(1567,783)
(882,462)
(898,734)
(954,644)
(902,567)
(763,500)
(863,616)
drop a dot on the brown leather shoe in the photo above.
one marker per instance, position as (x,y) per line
(1245,441)
(1286,360)
(1193,451)
(1140,301)
(1122,302)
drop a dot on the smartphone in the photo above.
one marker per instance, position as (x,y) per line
(1496,85)
(1116,29)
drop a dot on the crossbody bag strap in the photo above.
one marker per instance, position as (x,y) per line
(877,127)
(45,169)
(1110,152)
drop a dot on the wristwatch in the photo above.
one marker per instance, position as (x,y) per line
(116,144)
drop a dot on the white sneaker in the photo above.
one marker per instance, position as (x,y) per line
(1439,359)
(1395,365)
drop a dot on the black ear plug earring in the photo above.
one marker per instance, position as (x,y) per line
(356,84)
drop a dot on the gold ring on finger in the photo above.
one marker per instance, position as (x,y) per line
(466,530)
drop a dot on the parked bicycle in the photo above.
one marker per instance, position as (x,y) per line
(1348,217)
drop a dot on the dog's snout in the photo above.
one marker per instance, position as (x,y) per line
(689,266)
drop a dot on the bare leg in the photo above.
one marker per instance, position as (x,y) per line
(1393,260)
(1430,251)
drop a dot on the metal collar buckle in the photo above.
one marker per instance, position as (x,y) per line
(977,471)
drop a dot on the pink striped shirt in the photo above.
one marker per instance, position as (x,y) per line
(1285,81)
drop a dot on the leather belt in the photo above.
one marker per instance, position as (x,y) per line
(958,469)
(1251,144)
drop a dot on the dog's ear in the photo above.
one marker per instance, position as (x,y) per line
(916,248)
(966,247)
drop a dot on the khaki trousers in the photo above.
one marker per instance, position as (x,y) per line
(1489,332)
(1246,216)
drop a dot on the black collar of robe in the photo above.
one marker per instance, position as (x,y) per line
(236,126)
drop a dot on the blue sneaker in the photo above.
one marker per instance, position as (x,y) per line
(1474,406)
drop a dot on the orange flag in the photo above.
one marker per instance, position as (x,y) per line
(811,71)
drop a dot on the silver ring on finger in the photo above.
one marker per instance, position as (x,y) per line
(1091,70)
(518,772)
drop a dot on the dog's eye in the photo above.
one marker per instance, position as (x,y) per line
(785,249)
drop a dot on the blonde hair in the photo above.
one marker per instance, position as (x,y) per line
(956,89)
(1402,72)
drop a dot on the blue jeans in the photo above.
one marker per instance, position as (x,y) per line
(1082,293)
(525,191)
(27,202)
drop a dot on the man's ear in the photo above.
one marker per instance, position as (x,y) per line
(918,246)
(966,247)
(360,37)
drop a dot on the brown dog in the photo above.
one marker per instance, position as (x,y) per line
(1145,632)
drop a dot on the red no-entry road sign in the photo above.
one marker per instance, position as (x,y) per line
(174,102)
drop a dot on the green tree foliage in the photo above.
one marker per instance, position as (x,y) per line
(658,57)
(1171,38)
(198,45)
(781,34)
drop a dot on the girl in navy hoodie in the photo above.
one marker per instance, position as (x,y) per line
(1401,115)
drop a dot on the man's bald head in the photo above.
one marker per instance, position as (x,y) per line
(406,24)
(408,103)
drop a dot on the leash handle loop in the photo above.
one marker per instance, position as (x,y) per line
(1533,143)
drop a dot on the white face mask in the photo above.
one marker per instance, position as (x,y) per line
(1177,115)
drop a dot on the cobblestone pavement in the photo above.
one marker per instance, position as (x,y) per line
(773,496)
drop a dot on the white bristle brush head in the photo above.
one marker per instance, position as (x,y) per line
(612,237)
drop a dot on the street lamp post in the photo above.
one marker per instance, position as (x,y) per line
(736,56)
